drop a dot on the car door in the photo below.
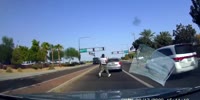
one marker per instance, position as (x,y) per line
(161,61)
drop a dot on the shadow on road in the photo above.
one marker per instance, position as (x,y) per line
(179,76)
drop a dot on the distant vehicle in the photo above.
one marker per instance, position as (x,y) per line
(140,58)
(114,64)
(182,56)
(82,62)
(96,60)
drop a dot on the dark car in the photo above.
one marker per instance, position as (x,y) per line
(96,60)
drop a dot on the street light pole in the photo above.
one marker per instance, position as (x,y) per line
(79,46)
(134,36)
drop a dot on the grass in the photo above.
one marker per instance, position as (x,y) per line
(9,70)
(19,69)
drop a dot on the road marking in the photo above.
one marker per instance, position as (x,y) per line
(60,87)
(139,80)
(36,83)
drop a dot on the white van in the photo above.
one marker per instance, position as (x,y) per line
(181,56)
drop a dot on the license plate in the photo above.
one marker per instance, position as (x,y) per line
(189,59)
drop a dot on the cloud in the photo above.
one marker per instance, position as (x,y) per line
(136,21)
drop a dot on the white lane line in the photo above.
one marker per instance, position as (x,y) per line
(139,80)
(58,88)
(37,83)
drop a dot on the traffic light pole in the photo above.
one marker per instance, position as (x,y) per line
(79,46)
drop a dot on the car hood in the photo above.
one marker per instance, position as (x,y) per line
(109,94)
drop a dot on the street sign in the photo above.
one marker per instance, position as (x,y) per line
(126,51)
(98,49)
(83,50)
(92,53)
(117,52)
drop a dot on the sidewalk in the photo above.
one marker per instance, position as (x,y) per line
(9,76)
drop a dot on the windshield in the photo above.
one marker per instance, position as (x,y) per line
(65,46)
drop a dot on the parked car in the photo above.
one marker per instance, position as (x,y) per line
(181,57)
(114,64)
(82,62)
(96,60)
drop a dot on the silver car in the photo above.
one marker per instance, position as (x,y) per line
(114,64)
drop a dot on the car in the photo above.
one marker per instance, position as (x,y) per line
(82,62)
(180,57)
(114,64)
(96,60)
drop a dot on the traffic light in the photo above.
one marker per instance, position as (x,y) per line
(93,49)
(103,48)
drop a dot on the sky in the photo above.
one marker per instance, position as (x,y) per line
(106,23)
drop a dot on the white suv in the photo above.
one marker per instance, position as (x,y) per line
(181,56)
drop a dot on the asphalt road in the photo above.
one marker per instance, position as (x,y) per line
(187,79)
(27,81)
(120,80)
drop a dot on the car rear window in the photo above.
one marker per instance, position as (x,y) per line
(113,60)
(166,52)
(182,49)
(95,59)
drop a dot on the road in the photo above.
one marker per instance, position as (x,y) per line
(22,82)
(120,80)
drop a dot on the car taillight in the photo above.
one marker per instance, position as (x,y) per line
(177,59)
(120,63)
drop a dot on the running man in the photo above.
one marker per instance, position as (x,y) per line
(103,62)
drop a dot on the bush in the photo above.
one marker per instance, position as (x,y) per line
(51,67)
(64,64)
(9,70)
(19,69)
(37,66)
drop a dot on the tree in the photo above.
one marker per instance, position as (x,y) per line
(163,39)
(71,53)
(33,52)
(145,38)
(16,57)
(197,38)
(45,47)
(52,47)
(195,11)
(6,49)
(19,55)
(55,55)
(184,34)
(59,48)
(142,40)
(147,34)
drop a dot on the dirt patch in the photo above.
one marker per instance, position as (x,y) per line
(28,70)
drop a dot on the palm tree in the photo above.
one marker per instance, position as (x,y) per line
(45,46)
(52,47)
(148,34)
(59,48)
